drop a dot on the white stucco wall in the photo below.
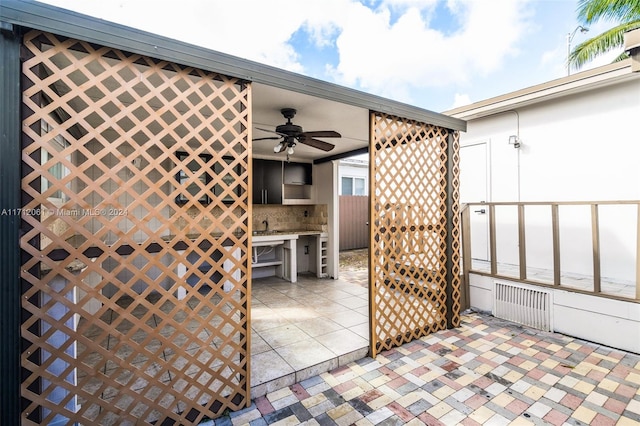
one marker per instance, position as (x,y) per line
(609,322)
(579,147)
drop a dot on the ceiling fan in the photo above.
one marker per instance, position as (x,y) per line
(291,134)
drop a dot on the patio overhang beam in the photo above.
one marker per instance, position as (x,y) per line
(342,155)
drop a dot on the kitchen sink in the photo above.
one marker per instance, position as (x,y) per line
(270,232)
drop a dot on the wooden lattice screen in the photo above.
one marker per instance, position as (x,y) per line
(135,233)
(410,224)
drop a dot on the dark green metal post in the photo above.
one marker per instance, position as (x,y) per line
(449,239)
(9,225)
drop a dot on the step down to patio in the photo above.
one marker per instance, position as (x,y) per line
(290,379)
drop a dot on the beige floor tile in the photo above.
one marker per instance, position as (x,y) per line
(298,313)
(258,344)
(289,318)
(349,318)
(282,336)
(268,366)
(335,294)
(318,326)
(361,330)
(355,290)
(328,307)
(354,302)
(342,341)
(304,354)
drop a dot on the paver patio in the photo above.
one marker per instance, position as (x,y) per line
(486,372)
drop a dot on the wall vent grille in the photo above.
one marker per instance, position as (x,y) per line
(523,305)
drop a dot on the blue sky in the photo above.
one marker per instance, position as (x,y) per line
(435,54)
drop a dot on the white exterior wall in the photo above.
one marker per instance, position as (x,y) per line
(327,173)
(359,170)
(609,322)
(580,147)
(575,148)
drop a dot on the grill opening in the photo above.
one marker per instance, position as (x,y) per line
(523,305)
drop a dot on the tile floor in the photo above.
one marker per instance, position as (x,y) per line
(307,328)
(486,372)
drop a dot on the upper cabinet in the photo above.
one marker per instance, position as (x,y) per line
(277,182)
(297,188)
(267,182)
(297,173)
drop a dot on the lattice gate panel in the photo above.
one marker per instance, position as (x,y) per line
(135,233)
(409,233)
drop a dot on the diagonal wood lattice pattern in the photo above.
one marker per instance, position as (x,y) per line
(409,278)
(135,229)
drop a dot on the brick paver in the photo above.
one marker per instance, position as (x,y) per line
(487,371)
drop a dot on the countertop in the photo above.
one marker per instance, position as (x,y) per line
(262,236)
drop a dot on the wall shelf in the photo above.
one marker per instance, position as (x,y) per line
(264,264)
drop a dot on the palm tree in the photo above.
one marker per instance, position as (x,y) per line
(625,12)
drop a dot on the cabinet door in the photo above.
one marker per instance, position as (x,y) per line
(267,182)
(258,182)
(297,173)
(273,182)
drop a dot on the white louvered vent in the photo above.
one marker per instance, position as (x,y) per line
(524,305)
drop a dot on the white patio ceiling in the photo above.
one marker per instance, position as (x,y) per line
(313,114)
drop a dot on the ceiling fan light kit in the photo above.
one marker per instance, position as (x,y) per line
(292,134)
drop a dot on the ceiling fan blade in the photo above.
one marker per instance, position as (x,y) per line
(271,131)
(325,146)
(269,138)
(323,134)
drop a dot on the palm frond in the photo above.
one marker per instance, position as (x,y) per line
(590,11)
(600,44)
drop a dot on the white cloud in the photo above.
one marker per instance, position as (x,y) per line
(376,55)
(460,99)
(256,30)
(393,59)
(554,61)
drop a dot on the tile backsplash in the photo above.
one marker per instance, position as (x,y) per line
(290,217)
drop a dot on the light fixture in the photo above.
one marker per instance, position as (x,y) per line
(515,141)
(290,150)
(569,39)
(277,148)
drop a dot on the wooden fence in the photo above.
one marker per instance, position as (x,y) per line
(354,232)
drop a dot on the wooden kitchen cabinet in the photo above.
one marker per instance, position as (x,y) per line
(267,182)
(297,173)
(298,188)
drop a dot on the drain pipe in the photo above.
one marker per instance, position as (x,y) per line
(517,144)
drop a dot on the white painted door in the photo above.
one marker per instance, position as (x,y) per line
(474,188)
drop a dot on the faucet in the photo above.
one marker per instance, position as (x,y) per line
(266,224)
